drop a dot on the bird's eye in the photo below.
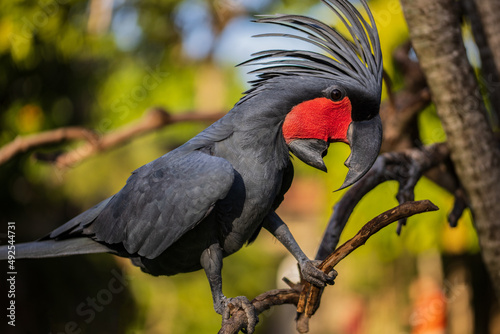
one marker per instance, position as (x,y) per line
(336,95)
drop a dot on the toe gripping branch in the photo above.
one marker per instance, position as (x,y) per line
(310,295)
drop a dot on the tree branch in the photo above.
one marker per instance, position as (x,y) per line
(291,296)
(310,295)
(26,143)
(405,167)
(154,119)
(399,114)
(261,303)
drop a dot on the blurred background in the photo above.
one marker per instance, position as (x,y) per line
(101,64)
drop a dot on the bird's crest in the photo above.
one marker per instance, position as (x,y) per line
(359,60)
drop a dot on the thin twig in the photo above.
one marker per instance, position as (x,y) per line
(25,143)
(310,295)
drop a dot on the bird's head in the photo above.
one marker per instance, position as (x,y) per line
(335,94)
(342,114)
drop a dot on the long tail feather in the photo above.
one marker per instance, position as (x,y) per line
(54,248)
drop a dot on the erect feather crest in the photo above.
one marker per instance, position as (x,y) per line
(359,60)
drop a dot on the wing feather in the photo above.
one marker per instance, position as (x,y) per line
(163,200)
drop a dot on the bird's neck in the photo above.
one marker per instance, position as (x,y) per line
(260,135)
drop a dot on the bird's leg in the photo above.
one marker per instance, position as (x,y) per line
(308,268)
(211,261)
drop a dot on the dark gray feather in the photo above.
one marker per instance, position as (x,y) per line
(162,201)
(55,248)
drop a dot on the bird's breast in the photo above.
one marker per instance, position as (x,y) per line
(258,180)
(246,206)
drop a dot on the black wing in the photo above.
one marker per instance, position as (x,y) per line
(163,200)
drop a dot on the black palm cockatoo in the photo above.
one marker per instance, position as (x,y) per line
(203,201)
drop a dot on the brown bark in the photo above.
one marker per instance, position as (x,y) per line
(310,296)
(436,35)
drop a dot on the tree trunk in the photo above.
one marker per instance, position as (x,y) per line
(436,35)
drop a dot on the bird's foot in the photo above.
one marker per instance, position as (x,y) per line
(226,305)
(312,274)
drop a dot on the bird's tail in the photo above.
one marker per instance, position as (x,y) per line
(53,248)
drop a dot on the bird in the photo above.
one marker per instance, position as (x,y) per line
(203,201)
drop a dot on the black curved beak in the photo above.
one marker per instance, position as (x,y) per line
(365,139)
(310,151)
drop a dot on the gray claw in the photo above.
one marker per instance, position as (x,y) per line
(243,303)
(313,275)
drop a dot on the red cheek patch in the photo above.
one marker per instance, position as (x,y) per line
(320,118)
